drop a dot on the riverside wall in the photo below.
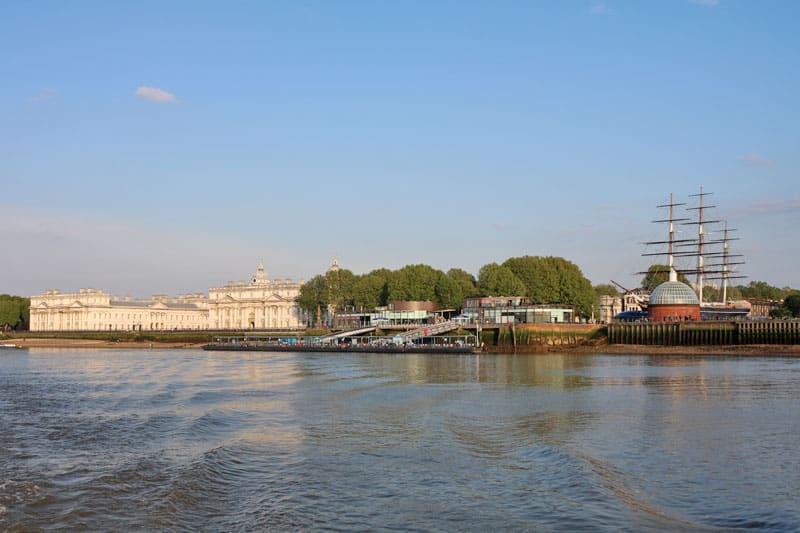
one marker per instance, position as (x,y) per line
(706,333)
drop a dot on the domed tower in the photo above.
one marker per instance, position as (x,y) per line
(673,301)
(260,277)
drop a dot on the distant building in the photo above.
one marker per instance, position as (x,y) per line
(673,301)
(760,307)
(635,300)
(515,309)
(396,313)
(95,310)
(260,304)
(610,306)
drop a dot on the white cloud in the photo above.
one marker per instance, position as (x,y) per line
(775,207)
(43,96)
(598,8)
(155,94)
(754,160)
(707,3)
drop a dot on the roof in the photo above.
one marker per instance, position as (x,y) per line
(673,293)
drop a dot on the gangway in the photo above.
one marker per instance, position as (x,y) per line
(431,329)
(325,339)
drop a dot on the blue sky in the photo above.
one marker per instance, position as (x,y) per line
(165,146)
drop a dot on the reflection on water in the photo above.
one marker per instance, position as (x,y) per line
(151,440)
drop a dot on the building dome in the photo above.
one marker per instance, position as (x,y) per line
(673,293)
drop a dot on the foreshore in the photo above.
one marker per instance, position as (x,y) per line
(768,350)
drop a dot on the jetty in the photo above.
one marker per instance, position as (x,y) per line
(423,340)
(706,333)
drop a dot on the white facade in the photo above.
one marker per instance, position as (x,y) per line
(261,304)
(95,310)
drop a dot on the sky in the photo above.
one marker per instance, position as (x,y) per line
(164,147)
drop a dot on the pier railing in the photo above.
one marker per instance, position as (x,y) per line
(706,333)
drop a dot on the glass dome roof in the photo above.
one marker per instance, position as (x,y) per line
(673,293)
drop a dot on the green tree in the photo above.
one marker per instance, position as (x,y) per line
(554,280)
(605,289)
(780,312)
(14,312)
(313,295)
(760,290)
(339,284)
(369,291)
(792,304)
(465,280)
(658,274)
(413,282)
(448,293)
(496,280)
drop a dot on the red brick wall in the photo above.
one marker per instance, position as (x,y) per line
(664,313)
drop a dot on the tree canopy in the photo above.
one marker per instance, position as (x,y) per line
(465,280)
(554,280)
(605,289)
(14,312)
(658,274)
(414,282)
(792,305)
(496,280)
(761,290)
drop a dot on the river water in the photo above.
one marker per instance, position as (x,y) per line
(190,440)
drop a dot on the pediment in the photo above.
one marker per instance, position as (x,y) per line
(42,305)
(228,298)
(276,298)
(76,305)
(158,305)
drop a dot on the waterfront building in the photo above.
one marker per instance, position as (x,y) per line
(96,310)
(515,309)
(632,302)
(260,304)
(673,301)
(396,313)
(761,308)
(610,306)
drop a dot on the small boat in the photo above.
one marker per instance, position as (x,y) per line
(9,346)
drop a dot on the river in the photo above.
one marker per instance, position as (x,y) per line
(140,439)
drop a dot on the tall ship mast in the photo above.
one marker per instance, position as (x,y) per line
(721,263)
(700,242)
(725,270)
(671,242)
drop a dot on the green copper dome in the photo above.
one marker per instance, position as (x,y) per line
(673,293)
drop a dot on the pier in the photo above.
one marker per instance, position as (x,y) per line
(706,333)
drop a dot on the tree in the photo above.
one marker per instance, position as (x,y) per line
(313,295)
(369,291)
(780,312)
(554,280)
(14,312)
(605,289)
(496,280)
(448,293)
(792,304)
(761,290)
(339,284)
(465,280)
(413,283)
(658,274)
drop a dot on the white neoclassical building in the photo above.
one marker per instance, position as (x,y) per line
(95,310)
(260,304)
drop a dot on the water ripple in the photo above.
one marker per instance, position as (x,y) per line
(188,441)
